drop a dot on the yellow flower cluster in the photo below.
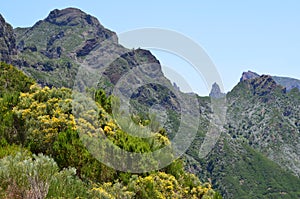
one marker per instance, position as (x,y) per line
(162,185)
(107,129)
(101,193)
(109,190)
(162,139)
(41,110)
(110,128)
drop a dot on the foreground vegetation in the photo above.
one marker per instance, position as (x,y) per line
(42,155)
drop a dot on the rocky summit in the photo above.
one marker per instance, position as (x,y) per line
(216,91)
(249,75)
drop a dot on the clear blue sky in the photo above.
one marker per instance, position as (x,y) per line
(263,36)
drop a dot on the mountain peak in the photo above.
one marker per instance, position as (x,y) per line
(65,11)
(249,75)
(216,91)
(71,17)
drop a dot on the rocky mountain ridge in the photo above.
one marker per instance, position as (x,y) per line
(288,83)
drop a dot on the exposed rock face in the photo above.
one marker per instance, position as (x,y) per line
(7,41)
(176,87)
(56,34)
(264,85)
(69,16)
(75,17)
(52,50)
(129,60)
(249,75)
(216,92)
(288,83)
(89,45)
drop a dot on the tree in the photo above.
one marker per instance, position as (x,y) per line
(12,82)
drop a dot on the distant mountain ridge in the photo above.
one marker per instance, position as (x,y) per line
(287,82)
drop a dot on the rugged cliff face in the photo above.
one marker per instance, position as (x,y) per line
(7,41)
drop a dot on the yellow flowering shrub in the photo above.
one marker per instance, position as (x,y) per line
(112,191)
(162,185)
(45,112)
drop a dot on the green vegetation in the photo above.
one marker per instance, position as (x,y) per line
(12,82)
(38,176)
(245,173)
(256,157)
(269,181)
(43,156)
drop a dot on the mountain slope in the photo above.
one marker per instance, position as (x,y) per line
(258,154)
(261,112)
(239,171)
(49,50)
(258,151)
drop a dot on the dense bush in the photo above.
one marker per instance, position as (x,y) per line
(43,132)
(36,177)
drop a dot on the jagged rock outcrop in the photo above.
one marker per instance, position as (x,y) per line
(176,87)
(264,85)
(216,92)
(248,75)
